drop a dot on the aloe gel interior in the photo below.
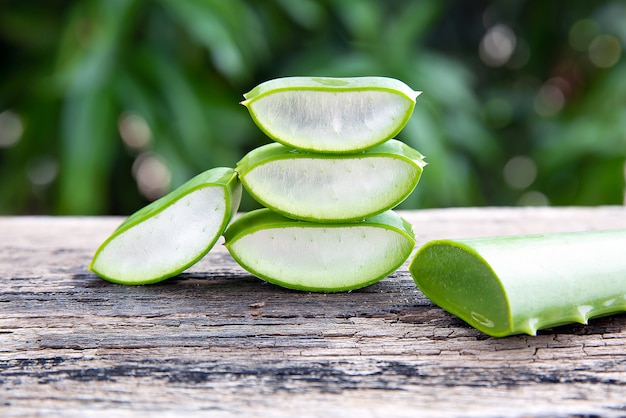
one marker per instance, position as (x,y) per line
(172,233)
(316,256)
(520,284)
(335,115)
(317,187)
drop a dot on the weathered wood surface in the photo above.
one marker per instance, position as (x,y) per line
(216,341)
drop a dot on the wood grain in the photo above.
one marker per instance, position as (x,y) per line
(216,341)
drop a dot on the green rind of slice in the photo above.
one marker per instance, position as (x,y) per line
(319,257)
(520,284)
(172,233)
(333,115)
(339,188)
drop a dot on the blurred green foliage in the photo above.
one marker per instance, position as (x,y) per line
(107,104)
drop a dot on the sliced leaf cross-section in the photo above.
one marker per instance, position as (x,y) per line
(316,256)
(169,235)
(332,115)
(321,188)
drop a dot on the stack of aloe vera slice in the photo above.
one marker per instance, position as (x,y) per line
(328,182)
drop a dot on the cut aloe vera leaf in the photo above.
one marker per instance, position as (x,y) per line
(331,114)
(520,284)
(172,233)
(319,257)
(338,188)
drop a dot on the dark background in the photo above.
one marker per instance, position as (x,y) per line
(106,105)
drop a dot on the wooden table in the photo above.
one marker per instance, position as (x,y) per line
(216,341)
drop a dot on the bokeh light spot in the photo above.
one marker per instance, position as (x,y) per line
(497,46)
(551,97)
(134,131)
(520,172)
(11,129)
(152,176)
(533,198)
(604,51)
(42,170)
(582,33)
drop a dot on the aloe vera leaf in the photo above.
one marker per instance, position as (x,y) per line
(338,188)
(172,233)
(316,256)
(520,284)
(333,115)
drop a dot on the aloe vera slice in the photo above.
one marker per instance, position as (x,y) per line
(172,233)
(319,257)
(331,114)
(320,188)
(520,284)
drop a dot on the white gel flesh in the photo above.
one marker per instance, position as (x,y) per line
(332,189)
(331,121)
(332,257)
(165,242)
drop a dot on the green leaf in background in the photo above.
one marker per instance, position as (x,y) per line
(88,114)
(517,109)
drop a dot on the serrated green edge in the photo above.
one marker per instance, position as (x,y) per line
(265,218)
(457,275)
(224,177)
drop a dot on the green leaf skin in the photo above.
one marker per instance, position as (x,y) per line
(322,188)
(172,233)
(520,284)
(319,257)
(333,115)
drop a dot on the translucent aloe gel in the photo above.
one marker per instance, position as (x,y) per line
(331,188)
(172,233)
(332,115)
(316,256)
